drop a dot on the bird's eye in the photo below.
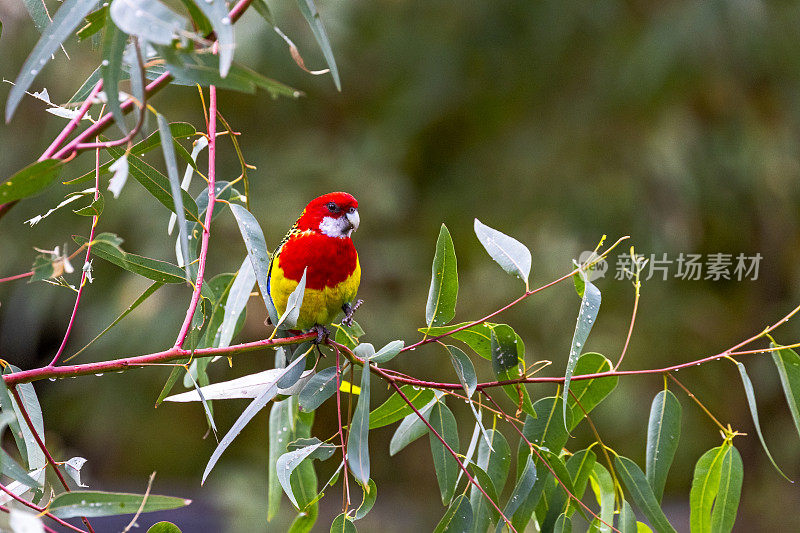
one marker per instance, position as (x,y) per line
(351,210)
(332,207)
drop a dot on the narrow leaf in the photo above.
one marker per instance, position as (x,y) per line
(217,13)
(286,464)
(257,252)
(457,518)
(590,305)
(730,489)
(477,337)
(705,486)
(443,422)
(395,407)
(387,353)
(309,11)
(663,433)
(368,501)
(236,302)
(175,187)
(627,519)
(280,433)
(751,402)
(521,490)
(410,429)
(603,487)
(358,436)
(588,393)
(635,481)
(66,19)
(319,388)
(563,524)
(252,410)
(114,42)
(30,181)
(509,253)
(788,363)
(464,370)
(441,307)
(94,503)
(293,304)
(154,269)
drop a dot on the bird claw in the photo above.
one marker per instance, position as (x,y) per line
(322,332)
(349,311)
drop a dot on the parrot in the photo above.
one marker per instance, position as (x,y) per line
(320,242)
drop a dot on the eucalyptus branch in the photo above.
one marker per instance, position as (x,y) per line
(40,510)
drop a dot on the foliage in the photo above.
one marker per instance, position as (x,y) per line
(481,485)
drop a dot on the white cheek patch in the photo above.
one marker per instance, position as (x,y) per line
(334,227)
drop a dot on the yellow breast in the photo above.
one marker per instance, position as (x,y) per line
(320,306)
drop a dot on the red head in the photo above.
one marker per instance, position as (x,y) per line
(335,214)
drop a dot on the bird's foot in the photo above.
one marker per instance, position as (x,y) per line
(349,311)
(322,332)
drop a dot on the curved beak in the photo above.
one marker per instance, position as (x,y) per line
(354,220)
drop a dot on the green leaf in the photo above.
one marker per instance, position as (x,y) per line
(95,209)
(464,370)
(198,18)
(164,527)
(309,11)
(319,388)
(290,460)
(8,466)
(348,335)
(589,392)
(257,252)
(38,12)
(149,20)
(358,436)
(579,467)
(477,337)
(788,363)
(496,460)
(457,518)
(509,253)
(368,500)
(635,481)
(590,306)
(280,421)
(603,487)
(751,402)
(508,354)
(705,486)
(663,433)
(305,520)
(482,510)
(342,524)
(521,492)
(396,408)
(263,9)
(66,19)
(156,184)
(410,429)
(444,423)
(175,188)
(7,405)
(730,489)
(627,519)
(30,181)
(30,401)
(154,269)
(441,307)
(304,478)
(203,69)
(114,42)
(563,524)
(95,21)
(95,503)
(547,430)
(247,415)
(217,13)
(387,353)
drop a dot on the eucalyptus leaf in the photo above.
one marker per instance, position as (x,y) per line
(217,13)
(457,518)
(395,407)
(663,433)
(509,253)
(30,181)
(149,20)
(154,269)
(443,292)
(310,13)
(95,503)
(358,436)
(788,363)
(635,481)
(443,422)
(257,252)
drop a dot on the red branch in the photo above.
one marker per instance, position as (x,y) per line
(40,510)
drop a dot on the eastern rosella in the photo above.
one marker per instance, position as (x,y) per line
(320,241)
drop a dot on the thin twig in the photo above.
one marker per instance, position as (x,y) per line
(41,510)
(141,507)
(201,269)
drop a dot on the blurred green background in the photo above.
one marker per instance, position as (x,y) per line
(677,123)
